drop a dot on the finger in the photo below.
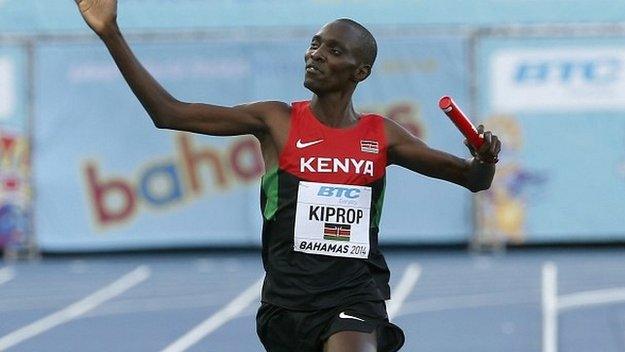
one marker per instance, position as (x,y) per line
(483,149)
(494,148)
(480,129)
(488,137)
(470,147)
(498,149)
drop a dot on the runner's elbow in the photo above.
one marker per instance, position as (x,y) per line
(477,187)
(160,122)
(164,116)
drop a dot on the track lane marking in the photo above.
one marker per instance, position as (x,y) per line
(402,290)
(550,307)
(591,298)
(6,274)
(76,309)
(461,302)
(218,319)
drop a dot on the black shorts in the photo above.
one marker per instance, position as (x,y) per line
(284,330)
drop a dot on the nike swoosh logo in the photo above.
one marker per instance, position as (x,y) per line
(347,316)
(301,144)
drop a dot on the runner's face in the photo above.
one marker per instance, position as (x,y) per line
(332,59)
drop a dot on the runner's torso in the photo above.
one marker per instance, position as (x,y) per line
(321,208)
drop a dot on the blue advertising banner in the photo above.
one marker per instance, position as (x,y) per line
(61,16)
(15,191)
(113,180)
(560,109)
(108,179)
(13,89)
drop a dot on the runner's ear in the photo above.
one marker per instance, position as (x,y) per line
(362,72)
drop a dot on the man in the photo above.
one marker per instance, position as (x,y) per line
(321,198)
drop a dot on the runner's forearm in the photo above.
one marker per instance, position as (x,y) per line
(155,99)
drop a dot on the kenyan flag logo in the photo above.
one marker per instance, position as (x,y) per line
(336,232)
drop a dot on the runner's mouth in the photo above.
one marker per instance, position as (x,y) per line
(312,69)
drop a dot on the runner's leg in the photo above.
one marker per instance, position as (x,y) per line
(351,341)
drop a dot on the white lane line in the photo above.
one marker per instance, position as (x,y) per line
(77,309)
(403,289)
(460,302)
(589,298)
(6,275)
(218,319)
(550,307)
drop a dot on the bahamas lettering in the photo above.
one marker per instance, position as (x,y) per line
(324,247)
(171,181)
(333,249)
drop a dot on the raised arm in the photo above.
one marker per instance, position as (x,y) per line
(164,109)
(476,174)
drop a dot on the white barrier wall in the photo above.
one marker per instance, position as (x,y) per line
(105,178)
(112,180)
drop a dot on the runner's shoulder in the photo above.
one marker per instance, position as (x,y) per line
(271,109)
(392,129)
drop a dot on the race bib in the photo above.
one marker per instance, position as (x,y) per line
(332,219)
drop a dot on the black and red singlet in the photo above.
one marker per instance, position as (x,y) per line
(321,210)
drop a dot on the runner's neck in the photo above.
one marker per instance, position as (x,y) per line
(334,111)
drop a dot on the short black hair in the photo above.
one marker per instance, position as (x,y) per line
(368,45)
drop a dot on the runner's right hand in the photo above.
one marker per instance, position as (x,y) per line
(100,15)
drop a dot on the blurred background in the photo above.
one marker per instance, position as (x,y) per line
(87,181)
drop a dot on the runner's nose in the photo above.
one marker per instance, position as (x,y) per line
(317,54)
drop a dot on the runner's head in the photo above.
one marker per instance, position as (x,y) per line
(340,56)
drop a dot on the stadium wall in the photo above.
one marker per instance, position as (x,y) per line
(106,179)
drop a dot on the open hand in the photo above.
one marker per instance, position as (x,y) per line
(100,15)
(489,150)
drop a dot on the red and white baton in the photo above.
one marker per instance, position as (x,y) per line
(461,121)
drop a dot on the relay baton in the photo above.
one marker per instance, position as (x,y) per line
(461,121)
